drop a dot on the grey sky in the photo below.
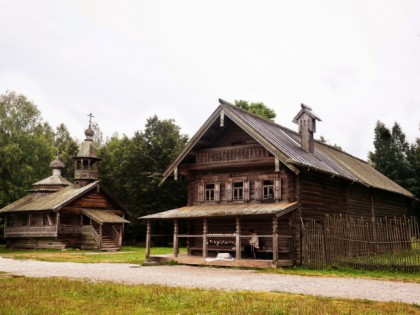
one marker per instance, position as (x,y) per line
(354,62)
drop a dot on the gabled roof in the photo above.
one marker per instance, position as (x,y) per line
(223,210)
(48,202)
(284,144)
(103,216)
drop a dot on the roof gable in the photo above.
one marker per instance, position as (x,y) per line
(49,202)
(284,144)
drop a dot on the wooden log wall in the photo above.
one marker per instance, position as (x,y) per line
(264,173)
(233,135)
(36,243)
(320,195)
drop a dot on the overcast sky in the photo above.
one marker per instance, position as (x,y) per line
(354,62)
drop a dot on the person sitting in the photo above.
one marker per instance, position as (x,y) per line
(253,244)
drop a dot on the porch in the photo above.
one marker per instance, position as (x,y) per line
(30,231)
(186,259)
(205,235)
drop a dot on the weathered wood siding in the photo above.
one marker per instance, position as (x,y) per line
(288,192)
(320,194)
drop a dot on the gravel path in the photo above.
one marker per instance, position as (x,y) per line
(219,278)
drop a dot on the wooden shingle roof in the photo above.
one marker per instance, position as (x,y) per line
(284,144)
(48,202)
(222,210)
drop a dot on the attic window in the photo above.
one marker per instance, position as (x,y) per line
(238,191)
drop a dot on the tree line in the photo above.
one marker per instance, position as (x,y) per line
(131,166)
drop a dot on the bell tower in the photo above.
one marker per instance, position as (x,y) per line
(86,162)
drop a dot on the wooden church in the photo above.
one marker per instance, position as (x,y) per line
(58,213)
(245,172)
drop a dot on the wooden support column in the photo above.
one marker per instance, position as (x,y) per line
(275,241)
(176,247)
(148,238)
(238,238)
(205,231)
(120,236)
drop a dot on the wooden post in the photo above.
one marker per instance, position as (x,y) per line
(176,248)
(275,241)
(148,237)
(238,238)
(205,230)
(120,236)
(100,236)
(57,222)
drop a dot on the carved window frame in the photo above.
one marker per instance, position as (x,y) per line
(267,189)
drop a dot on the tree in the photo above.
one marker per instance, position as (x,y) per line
(397,159)
(257,108)
(26,142)
(391,155)
(66,147)
(323,140)
(131,168)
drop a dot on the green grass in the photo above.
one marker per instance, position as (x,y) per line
(128,254)
(19,295)
(349,272)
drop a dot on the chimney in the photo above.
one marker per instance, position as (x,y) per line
(306,120)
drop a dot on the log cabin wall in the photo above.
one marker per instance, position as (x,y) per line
(320,194)
(288,192)
(233,135)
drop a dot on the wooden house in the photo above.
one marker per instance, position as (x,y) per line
(245,172)
(58,213)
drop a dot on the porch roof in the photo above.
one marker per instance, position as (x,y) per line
(103,216)
(212,210)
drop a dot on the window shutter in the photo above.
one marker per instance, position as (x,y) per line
(228,191)
(277,189)
(217,191)
(258,191)
(246,190)
(200,192)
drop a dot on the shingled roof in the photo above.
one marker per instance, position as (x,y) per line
(284,144)
(48,202)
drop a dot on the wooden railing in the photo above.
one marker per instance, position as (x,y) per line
(69,229)
(231,154)
(116,235)
(88,229)
(30,231)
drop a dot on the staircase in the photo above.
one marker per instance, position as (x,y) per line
(109,244)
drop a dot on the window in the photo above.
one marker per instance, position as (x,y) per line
(45,220)
(268,190)
(238,191)
(209,192)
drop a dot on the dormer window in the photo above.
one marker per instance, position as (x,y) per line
(209,192)
(268,190)
(238,191)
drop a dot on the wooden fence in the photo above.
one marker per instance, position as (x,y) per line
(385,243)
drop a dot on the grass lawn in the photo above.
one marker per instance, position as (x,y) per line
(19,295)
(136,255)
(128,254)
